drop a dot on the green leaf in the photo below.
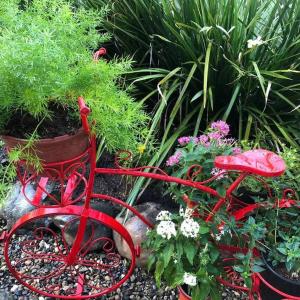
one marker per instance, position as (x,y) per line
(159,271)
(197,96)
(239,255)
(289,265)
(239,269)
(214,254)
(257,269)
(221,190)
(203,229)
(150,262)
(231,103)
(176,279)
(204,290)
(282,250)
(190,251)
(206,68)
(215,293)
(168,252)
(196,293)
(179,249)
(260,78)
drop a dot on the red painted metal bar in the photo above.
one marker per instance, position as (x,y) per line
(3,236)
(84,112)
(166,178)
(217,206)
(40,191)
(222,200)
(100,52)
(235,184)
(80,282)
(289,297)
(72,256)
(77,211)
(71,185)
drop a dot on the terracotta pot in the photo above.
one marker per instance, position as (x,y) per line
(56,149)
(183,295)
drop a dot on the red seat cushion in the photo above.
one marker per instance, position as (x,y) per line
(261,162)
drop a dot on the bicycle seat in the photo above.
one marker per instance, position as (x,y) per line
(261,162)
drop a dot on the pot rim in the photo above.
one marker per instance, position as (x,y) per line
(45,140)
(183,292)
(269,267)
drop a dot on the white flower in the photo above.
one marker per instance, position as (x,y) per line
(187,213)
(219,235)
(166,229)
(189,228)
(164,215)
(253,43)
(218,172)
(189,279)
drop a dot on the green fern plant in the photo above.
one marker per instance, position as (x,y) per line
(8,171)
(46,58)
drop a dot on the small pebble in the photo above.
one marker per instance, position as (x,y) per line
(14,288)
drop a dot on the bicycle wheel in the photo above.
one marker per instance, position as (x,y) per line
(40,260)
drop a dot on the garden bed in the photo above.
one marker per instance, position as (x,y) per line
(141,285)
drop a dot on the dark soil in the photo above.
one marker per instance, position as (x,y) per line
(119,186)
(62,121)
(289,275)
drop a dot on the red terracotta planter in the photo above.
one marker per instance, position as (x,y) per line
(61,148)
(183,295)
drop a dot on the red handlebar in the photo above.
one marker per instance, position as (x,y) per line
(100,52)
(82,107)
(84,111)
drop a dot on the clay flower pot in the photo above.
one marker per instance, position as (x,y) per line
(182,294)
(57,149)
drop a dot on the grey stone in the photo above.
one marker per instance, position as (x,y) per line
(138,230)
(16,204)
(94,230)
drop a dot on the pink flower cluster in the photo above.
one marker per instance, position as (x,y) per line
(217,135)
(220,127)
(174,159)
(236,150)
(204,140)
(184,140)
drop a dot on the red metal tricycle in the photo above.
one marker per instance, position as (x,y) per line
(45,263)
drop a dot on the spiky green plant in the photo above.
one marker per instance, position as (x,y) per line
(254,86)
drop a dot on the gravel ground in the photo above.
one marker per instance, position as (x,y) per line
(140,286)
